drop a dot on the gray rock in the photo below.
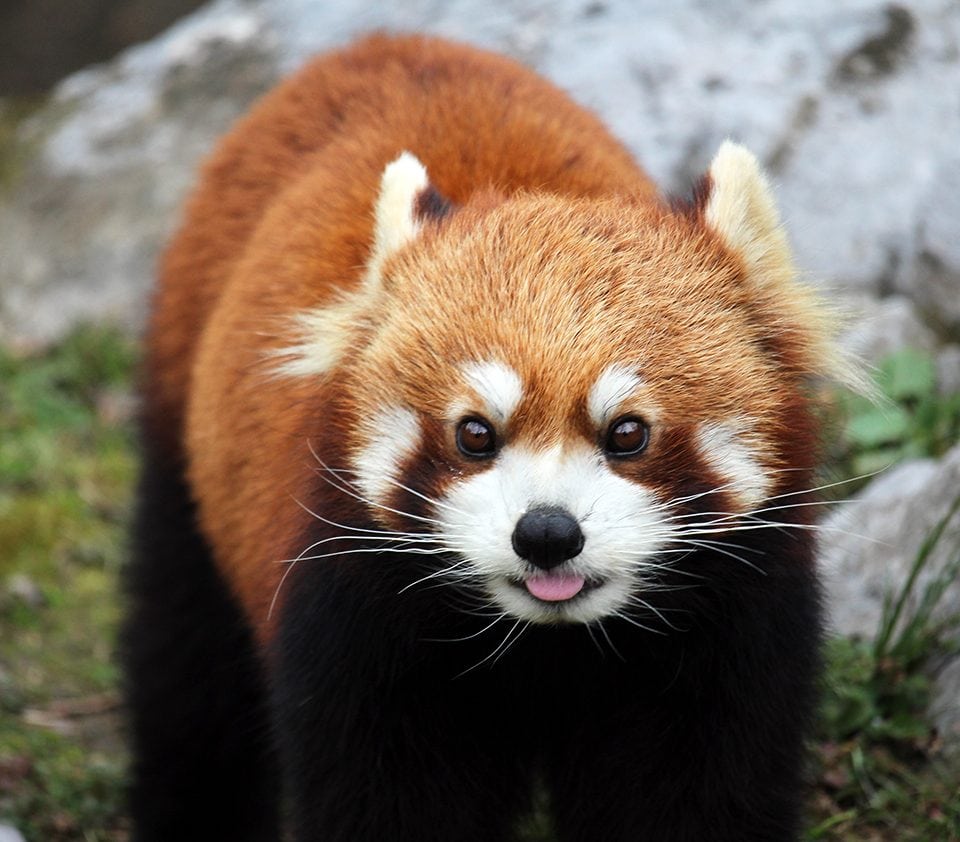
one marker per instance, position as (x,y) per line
(24,589)
(948,370)
(881,129)
(851,105)
(870,545)
(10,834)
(933,276)
(112,156)
(897,511)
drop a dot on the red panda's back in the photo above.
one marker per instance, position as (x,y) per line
(474,118)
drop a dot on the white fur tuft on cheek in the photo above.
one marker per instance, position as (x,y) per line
(321,337)
(727,449)
(391,437)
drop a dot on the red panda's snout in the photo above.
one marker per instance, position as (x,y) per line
(547,536)
(613,530)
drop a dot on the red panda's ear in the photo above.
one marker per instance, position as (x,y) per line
(740,209)
(406,201)
(737,204)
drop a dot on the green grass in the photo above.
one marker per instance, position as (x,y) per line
(912,419)
(880,776)
(67,465)
(66,470)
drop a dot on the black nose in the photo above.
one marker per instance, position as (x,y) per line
(547,536)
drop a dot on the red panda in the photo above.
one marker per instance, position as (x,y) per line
(470,463)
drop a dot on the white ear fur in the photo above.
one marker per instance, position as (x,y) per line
(742,211)
(395,222)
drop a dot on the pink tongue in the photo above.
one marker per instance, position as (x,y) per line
(555,587)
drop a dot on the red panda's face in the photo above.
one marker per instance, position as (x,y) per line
(559,399)
(565,385)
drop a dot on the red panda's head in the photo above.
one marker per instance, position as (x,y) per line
(561,396)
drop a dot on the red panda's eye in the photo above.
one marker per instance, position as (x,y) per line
(627,437)
(475,437)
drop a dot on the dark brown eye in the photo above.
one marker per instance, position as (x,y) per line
(475,437)
(627,437)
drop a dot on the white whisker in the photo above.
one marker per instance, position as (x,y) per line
(715,546)
(407,488)
(638,601)
(354,529)
(427,538)
(494,653)
(603,631)
(403,551)
(276,593)
(595,642)
(344,486)
(446,571)
(632,622)
(487,627)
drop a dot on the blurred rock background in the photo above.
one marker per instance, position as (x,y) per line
(853,106)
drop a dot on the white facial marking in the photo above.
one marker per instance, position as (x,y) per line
(498,385)
(613,386)
(726,447)
(391,436)
(621,523)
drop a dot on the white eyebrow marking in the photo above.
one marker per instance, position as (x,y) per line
(498,385)
(613,386)
(726,447)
